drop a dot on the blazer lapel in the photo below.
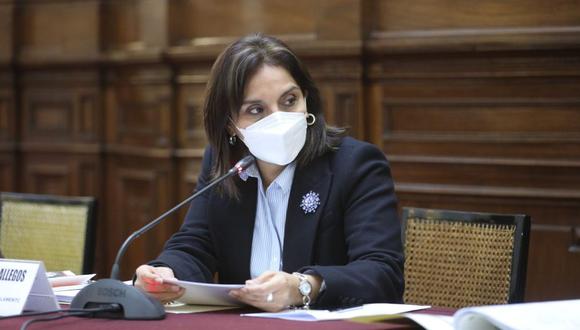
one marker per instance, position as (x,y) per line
(240,223)
(301,227)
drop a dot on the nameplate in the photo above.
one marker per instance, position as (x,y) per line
(24,287)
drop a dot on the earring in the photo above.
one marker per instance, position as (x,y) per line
(232,140)
(312,117)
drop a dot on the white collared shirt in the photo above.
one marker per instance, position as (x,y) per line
(272,204)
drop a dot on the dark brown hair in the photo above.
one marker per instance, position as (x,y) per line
(225,93)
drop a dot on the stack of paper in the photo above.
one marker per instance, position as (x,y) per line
(343,314)
(560,315)
(66,284)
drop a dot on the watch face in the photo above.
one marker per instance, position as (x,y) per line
(305,288)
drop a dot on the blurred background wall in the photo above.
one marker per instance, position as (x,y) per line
(476,103)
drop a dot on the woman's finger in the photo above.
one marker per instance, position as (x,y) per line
(151,279)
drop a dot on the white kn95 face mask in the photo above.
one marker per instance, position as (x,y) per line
(277,138)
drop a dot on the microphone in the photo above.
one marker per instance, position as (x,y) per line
(133,303)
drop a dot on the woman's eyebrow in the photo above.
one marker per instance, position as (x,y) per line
(290,89)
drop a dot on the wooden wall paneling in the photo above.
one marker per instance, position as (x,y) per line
(61,125)
(139,190)
(138,26)
(6,31)
(138,107)
(7,171)
(7,108)
(491,132)
(200,29)
(191,82)
(198,22)
(61,106)
(8,132)
(61,173)
(431,25)
(58,31)
(447,103)
(487,172)
(553,270)
(339,79)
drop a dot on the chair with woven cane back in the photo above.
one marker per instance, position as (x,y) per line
(458,259)
(58,230)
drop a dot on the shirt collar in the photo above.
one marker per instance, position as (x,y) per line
(284,179)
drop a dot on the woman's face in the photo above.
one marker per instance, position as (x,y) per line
(269,90)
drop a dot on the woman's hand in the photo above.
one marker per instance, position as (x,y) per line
(150,279)
(274,291)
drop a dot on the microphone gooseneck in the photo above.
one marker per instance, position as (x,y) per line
(135,304)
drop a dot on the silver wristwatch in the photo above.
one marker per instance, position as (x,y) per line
(305,288)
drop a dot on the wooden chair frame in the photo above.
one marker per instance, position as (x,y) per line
(521,238)
(89,202)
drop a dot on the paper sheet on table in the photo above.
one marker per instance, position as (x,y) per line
(197,293)
(181,308)
(431,321)
(69,280)
(349,313)
(65,294)
(561,315)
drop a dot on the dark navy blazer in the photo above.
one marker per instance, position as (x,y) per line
(352,240)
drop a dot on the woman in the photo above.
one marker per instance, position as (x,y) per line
(312,223)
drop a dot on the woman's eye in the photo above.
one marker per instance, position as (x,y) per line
(255,110)
(290,101)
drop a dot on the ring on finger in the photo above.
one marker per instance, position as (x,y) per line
(269,297)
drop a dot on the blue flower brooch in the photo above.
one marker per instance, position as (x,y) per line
(310,202)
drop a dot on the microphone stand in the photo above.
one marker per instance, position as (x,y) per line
(133,303)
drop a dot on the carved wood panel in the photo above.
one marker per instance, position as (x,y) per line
(61,173)
(7,116)
(432,25)
(61,107)
(191,81)
(197,22)
(6,31)
(138,107)
(7,171)
(134,26)
(140,189)
(58,30)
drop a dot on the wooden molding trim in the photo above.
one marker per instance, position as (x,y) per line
(491,137)
(436,40)
(482,191)
(61,147)
(124,150)
(484,161)
(305,48)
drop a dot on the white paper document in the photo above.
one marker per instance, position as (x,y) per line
(431,321)
(343,314)
(69,280)
(561,315)
(197,293)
